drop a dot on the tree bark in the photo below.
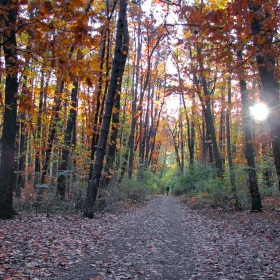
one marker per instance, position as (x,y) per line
(8,139)
(222,127)
(154,128)
(51,137)
(228,137)
(120,55)
(135,109)
(175,137)
(209,119)
(252,174)
(263,32)
(110,160)
(39,126)
(210,136)
(69,137)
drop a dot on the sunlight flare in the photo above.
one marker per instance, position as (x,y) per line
(259,111)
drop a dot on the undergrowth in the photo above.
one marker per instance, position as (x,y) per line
(114,197)
(200,187)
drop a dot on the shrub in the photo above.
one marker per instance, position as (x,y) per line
(177,191)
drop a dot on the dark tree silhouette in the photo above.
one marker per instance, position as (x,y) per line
(7,176)
(120,55)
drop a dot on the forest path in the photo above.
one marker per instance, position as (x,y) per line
(165,240)
(152,242)
(161,240)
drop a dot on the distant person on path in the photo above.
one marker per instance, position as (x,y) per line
(167,189)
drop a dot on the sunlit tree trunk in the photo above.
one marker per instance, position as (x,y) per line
(141,129)
(38,133)
(228,143)
(182,142)
(189,119)
(263,32)
(191,134)
(246,119)
(151,128)
(131,140)
(145,137)
(209,119)
(157,115)
(69,140)
(222,126)
(124,141)
(175,137)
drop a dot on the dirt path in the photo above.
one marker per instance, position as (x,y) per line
(163,240)
(167,240)
(154,243)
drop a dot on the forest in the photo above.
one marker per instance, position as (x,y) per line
(106,102)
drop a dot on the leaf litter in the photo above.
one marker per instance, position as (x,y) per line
(162,239)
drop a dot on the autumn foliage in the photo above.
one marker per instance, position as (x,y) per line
(177,105)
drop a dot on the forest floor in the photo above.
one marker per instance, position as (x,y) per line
(163,239)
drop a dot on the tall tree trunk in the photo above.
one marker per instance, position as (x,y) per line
(228,138)
(190,122)
(209,119)
(222,126)
(175,137)
(51,137)
(150,140)
(100,99)
(164,163)
(149,124)
(182,144)
(208,132)
(69,140)
(204,140)
(191,134)
(21,142)
(135,109)
(110,160)
(8,139)
(263,31)
(21,155)
(120,55)
(155,126)
(123,139)
(38,144)
(253,182)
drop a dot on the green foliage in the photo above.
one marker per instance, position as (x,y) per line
(147,178)
(202,184)
(197,179)
(139,189)
(171,179)
(202,187)
(134,190)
